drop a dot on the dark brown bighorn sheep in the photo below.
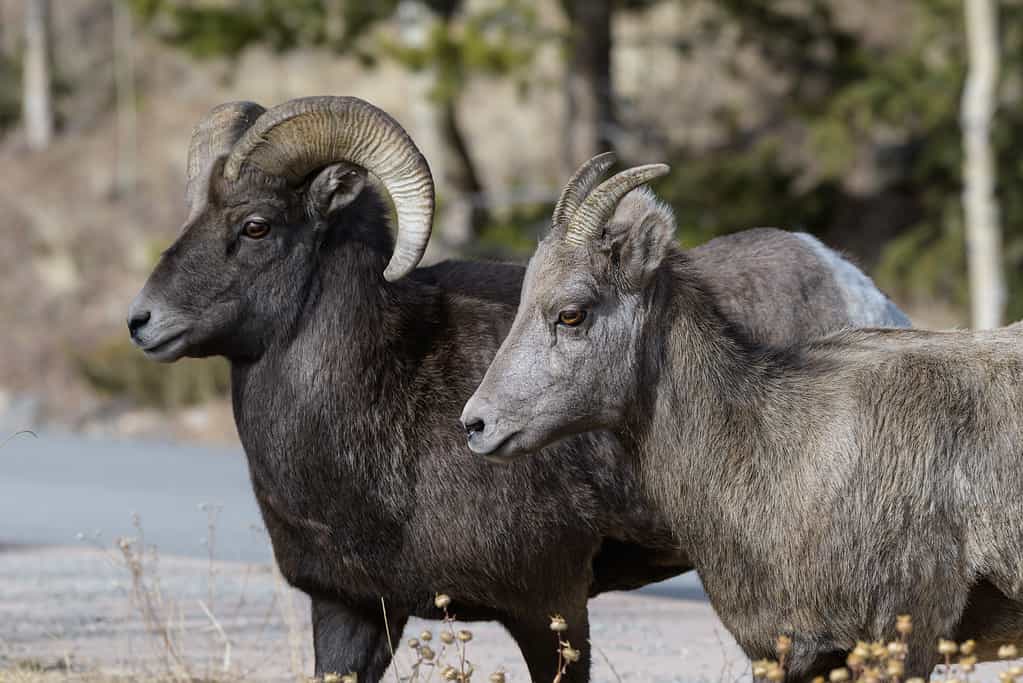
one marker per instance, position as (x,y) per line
(820,488)
(347,385)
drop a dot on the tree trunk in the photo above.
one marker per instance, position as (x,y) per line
(589,96)
(459,185)
(37,96)
(983,233)
(124,85)
(466,211)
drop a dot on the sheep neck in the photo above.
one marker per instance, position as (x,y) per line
(716,417)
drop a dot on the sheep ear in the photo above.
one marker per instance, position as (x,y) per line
(334,188)
(638,247)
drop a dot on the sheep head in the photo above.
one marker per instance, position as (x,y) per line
(266,189)
(565,366)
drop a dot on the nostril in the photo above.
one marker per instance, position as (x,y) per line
(138,320)
(474,427)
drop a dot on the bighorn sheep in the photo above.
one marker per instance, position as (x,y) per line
(820,488)
(347,386)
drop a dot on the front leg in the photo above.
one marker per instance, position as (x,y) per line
(539,645)
(347,639)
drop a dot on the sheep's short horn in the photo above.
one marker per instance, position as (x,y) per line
(300,136)
(596,210)
(579,185)
(212,138)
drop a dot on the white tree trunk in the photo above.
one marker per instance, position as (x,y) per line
(124,85)
(37,96)
(983,233)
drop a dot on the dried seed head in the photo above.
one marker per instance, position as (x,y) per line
(426,636)
(447,637)
(897,648)
(775,673)
(854,660)
(967,664)
(953,680)
(947,647)
(441,601)
(570,654)
(760,668)
(904,624)
(895,668)
(783,646)
(1016,671)
(1008,652)
(870,676)
(331,678)
(413,643)
(968,647)
(862,650)
(915,680)
(350,678)
(427,653)
(558,624)
(839,675)
(497,677)
(449,673)
(465,636)
(818,679)
(878,650)
(1006,677)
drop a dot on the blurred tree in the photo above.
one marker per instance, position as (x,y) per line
(438,39)
(983,234)
(37,97)
(589,94)
(124,88)
(863,145)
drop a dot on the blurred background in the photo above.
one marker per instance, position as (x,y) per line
(891,130)
(838,118)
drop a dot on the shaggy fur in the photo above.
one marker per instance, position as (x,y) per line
(820,488)
(346,392)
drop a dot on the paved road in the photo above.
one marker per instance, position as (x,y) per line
(56,486)
(60,599)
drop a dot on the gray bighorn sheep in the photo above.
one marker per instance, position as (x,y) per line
(347,385)
(820,487)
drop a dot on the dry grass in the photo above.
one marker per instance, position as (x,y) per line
(204,649)
(884,662)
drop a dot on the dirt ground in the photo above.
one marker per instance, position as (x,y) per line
(75,610)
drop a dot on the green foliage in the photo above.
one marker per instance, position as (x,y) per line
(225,30)
(497,42)
(10,90)
(513,234)
(900,103)
(119,369)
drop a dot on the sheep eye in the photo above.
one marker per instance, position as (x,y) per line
(571,317)
(256,229)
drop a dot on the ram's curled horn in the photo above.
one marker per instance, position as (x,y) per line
(212,138)
(300,136)
(579,185)
(596,210)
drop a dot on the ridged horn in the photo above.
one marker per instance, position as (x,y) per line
(297,137)
(596,210)
(579,185)
(213,137)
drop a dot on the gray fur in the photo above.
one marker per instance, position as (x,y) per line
(820,488)
(866,306)
(346,391)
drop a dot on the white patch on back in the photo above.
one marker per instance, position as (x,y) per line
(865,305)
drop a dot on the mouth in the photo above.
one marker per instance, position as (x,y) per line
(167,348)
(493,450)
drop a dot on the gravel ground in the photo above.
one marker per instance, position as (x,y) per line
(77,606)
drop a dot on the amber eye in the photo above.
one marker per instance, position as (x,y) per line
(256,229)
(571,317)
